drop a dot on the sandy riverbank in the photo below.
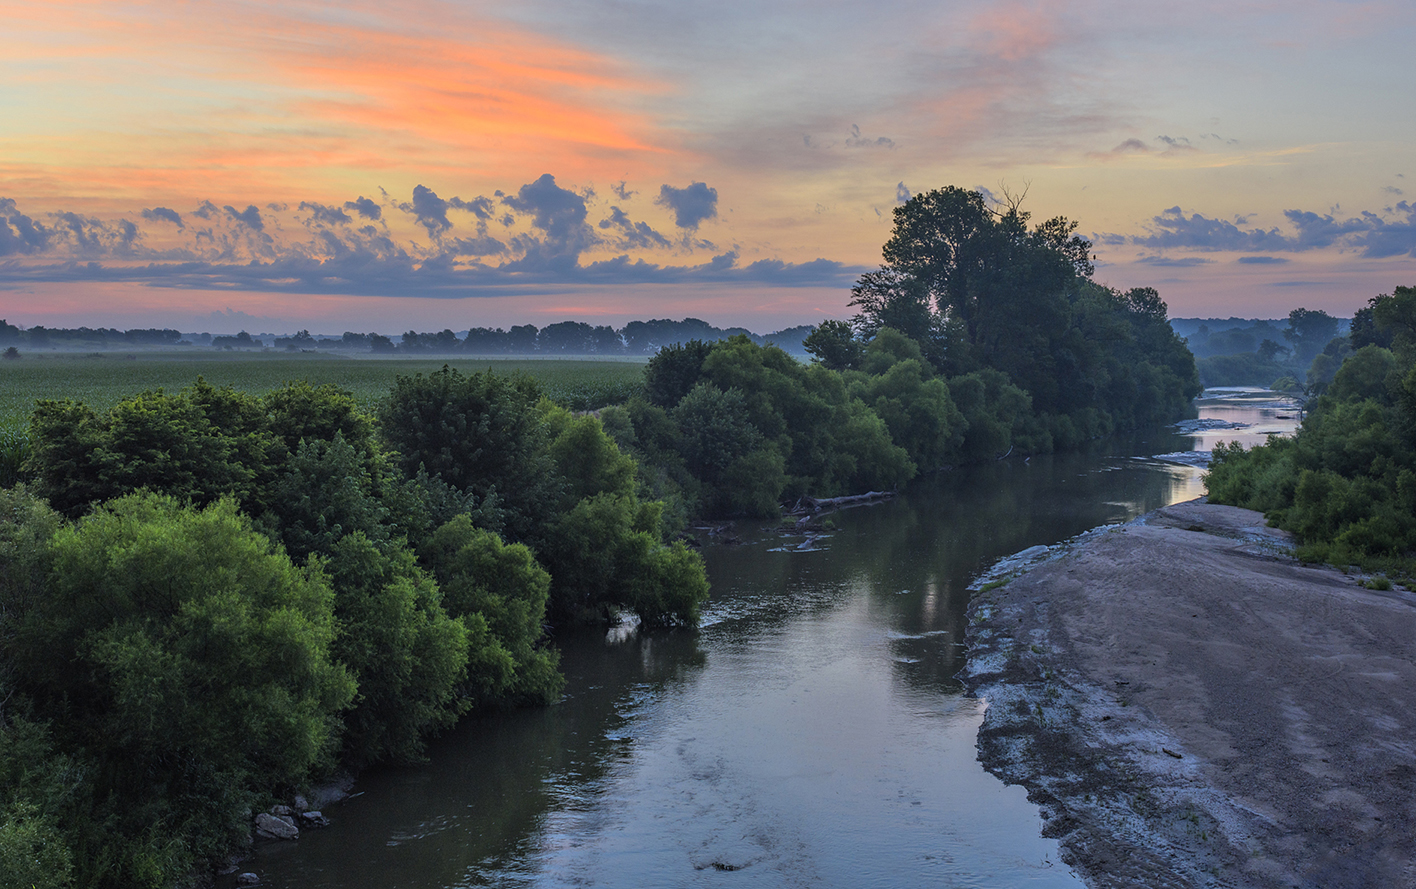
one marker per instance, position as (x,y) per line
(1190,707)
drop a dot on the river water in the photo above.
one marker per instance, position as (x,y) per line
(811,733)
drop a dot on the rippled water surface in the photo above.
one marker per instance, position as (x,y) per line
(810,734)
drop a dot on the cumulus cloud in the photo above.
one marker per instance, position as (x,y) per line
(1370,234)
(622,191)
(249,217)
(691,205)
(326,215)
(479,246)
(902,194)
(560,215)
(19,234)
(429,209)
(344,248)
(366,208)
(481,207)
(632,234)
(164,214)
(86,233)
(1384,238)
(1172,229)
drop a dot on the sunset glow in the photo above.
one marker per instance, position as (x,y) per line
(436,164)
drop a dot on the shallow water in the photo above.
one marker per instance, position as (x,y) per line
(810,734)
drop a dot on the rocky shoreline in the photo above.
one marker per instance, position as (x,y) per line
(1189,706)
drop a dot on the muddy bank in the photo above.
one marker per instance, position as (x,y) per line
(1191,707)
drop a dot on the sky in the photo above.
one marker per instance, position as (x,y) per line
(387,166)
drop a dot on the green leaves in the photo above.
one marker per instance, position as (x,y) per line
(191,663)
(479,433)
(409,656)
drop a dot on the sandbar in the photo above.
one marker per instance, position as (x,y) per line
(1190,706)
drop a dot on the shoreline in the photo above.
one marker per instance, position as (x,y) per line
(1189,706)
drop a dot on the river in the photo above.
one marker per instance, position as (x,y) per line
(811,733)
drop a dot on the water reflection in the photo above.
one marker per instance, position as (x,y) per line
(811,733)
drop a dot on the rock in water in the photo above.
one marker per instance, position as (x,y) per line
(274,827)
(313,819)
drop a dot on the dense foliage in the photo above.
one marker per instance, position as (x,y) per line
(977,290)
(1346,483)
(980,338)
(208,597)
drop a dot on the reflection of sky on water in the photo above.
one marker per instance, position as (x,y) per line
(1262,413)
(1265,413)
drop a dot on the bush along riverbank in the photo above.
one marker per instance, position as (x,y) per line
(1345,485)
(209,600)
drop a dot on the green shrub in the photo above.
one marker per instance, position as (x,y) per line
(408,656)
(191,661)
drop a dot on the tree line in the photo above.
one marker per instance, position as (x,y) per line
(40,337)
(560,338)
(1302,352)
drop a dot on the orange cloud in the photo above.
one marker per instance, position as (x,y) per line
(254,99)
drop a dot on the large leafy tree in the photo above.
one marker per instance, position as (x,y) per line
(481,434)
(156,440)
(1004,285)
(978,288)
(500,592)
(1309,330)
(190,662)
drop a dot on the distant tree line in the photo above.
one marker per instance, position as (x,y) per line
(41,337)
(1260,353)
(561,338)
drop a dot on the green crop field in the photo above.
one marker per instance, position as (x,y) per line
(103,378)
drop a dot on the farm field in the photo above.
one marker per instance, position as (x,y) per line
(103,378)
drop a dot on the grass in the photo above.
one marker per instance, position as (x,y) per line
(104,378)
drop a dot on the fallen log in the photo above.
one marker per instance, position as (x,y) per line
(810,505)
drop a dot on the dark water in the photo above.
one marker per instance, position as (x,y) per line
(810,734)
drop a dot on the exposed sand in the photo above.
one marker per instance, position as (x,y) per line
(1191,707)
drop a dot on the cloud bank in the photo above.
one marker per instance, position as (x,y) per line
(1390,233)
(547,238)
